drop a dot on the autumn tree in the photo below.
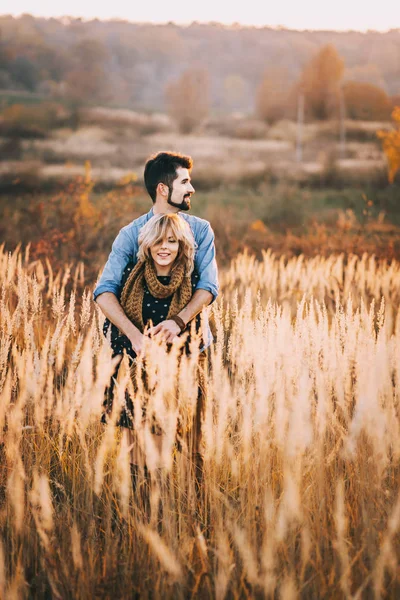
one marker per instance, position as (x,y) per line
(365,101)
(365,73)
(395,100)
(391,145)
(188,99)
(320,82)
(234,92)
(87,80)
(272,96)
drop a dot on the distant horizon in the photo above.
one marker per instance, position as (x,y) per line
(287,14)
(233,24)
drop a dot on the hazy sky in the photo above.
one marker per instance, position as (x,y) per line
(294,14)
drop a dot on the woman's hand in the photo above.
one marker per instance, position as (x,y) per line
(166,330)
(137,339)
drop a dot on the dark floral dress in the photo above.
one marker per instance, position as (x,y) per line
(155,310)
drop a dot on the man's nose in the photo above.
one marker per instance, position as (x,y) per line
(191,188)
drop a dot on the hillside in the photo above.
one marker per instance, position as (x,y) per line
(130,64)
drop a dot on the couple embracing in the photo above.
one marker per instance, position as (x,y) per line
(160,274)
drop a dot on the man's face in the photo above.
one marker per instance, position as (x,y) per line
(182,190)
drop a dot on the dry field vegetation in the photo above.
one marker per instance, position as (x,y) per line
(232,149)
(300,494)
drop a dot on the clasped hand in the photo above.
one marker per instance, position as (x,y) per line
(167,331)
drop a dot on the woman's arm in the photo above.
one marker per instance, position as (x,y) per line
(110,306)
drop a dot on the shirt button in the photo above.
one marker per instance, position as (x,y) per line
(148,305)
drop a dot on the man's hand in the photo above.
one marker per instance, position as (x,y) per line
(166,330)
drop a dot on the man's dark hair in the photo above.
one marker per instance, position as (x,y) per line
(161,168)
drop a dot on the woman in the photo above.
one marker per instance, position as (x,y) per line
(161,283)
(157,288)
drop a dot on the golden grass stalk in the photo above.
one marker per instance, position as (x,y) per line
(301,439)
(162,552)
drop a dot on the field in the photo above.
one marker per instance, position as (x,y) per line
(300,492)
(267,467)
(68,187)
(230,149)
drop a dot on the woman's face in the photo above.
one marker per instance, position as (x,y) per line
(165,251)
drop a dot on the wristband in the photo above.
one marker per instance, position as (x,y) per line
(180,322)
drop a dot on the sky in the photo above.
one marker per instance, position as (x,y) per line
(293,14)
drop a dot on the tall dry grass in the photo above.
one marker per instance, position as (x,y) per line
(300,493)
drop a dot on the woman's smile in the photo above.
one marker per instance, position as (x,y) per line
(164,253)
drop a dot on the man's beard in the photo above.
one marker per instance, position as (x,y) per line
(184,205)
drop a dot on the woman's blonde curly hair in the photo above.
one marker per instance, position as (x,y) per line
(160,227)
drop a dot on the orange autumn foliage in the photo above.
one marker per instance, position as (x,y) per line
(391,145)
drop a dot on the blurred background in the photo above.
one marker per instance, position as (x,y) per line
(294,133)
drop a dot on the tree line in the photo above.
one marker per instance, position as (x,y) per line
(325,90)
(199,70)
(321,92)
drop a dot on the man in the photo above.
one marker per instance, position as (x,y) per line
(167,180)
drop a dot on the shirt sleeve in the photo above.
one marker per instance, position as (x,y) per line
(123,250)
(205,263)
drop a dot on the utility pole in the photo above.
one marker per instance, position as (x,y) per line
(300,122)
(342,124)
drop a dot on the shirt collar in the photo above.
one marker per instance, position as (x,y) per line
(151,213)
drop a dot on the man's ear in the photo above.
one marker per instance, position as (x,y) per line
(162,189)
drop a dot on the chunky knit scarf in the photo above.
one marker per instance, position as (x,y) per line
(180,288)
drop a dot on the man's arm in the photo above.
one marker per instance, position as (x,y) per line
(199,300)
(108,288)
(123,250)
(110,306)
(205,263)
(168,330)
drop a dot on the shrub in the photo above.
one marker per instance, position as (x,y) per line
(391,146)
(284,208)
(273,96)
(36,120)
(365,101)
(188,99)
(250,129)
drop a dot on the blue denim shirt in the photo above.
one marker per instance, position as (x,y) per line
(125,248)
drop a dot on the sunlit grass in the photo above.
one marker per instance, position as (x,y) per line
(300,493)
